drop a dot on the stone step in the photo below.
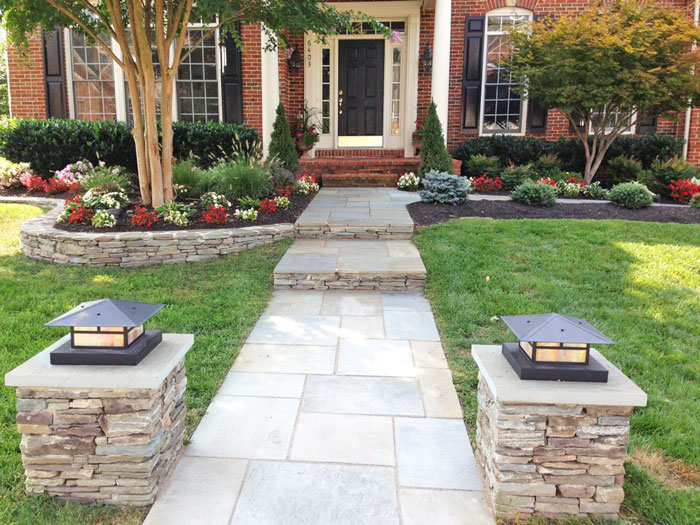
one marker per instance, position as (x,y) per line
(354,171)
(362,213)
(352,264)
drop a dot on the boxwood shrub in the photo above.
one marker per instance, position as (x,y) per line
(533,194)
(49,145)
(631,195)
(509,149)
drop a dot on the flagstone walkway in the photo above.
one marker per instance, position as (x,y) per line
(340,409)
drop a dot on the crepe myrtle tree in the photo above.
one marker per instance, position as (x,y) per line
(603,66)
(148,29)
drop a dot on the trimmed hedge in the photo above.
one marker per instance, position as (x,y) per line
(645,148)
(49,145)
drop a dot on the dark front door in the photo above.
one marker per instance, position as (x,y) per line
(360,87)
(231,80)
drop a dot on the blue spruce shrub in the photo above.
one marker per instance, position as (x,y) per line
(444,188)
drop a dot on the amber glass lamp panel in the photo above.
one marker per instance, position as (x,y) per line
(98,337)
(543,352)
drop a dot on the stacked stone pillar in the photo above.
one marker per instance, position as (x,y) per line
(552,449)
(102,433)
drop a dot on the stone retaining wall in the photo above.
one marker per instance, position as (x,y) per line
(109,445)
(353,232)
(395,283)
(39,239)
(555,461)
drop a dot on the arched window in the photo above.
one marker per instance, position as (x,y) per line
(503,110)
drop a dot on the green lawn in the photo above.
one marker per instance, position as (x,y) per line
(218,301)
(637,282)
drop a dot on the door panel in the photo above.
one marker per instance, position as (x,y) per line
(360,87)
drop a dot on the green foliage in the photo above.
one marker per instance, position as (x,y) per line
(521,151)
(479,165)
(606,62)
(631,195)
(282,145)
(187,178)
(218,301)
(594,191)
(623,169)
(171,206)
(248,203)
(534,194)
(107,178)
(239,179)
(50,145)
(514,176)
(280,177)
(661,174)
(433,154)
(695,201)
(444,188)
(547,166)
(639,285)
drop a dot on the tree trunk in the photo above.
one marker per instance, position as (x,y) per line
(166,122)
(139,138)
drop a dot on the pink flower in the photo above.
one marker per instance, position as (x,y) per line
(395,37)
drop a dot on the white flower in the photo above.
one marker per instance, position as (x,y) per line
(176,217)
(408,181)
(214,199)
(250,214)
(103,219)
(282,201)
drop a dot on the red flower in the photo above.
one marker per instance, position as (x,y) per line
(80,215)
(53,186)
(143,218)
(268,205)
(215,215)
(486,183)
(682,190)
(34,183)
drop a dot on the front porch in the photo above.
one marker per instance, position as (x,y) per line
(351,167)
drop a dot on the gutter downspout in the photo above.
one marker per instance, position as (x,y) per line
(689,111)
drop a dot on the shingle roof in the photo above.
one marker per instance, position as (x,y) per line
(555,328)
(108,312)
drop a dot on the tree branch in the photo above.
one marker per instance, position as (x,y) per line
(88,31)
(206,35)
(99,15)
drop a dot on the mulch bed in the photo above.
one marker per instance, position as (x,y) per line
(22,192)
(290,215)
(425,214)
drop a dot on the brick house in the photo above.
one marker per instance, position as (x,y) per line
(389,82)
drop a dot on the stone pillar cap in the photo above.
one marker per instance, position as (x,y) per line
(509,389)
(38,372)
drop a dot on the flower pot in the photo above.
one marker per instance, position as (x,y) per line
(456,166)
(305,149)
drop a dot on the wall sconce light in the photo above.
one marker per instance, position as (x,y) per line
(295,62)
(554,347)
(427,60)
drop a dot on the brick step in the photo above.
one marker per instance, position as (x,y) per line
(358,171)
(354,153)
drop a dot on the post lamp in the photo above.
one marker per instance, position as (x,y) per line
(554,347)
(107,332)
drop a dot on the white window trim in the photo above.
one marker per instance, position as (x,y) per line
(524,102)
(120,91)
(629,131)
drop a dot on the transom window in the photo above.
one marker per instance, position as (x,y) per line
(503,109)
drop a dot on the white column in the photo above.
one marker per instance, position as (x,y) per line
(440,82)
(270,91)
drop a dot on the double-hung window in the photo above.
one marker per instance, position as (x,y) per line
(503,110)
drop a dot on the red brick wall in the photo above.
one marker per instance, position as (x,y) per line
(427,24)
(26,79)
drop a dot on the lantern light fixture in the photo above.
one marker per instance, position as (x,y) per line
(427,60)
(295,62)
(107,332)
(554,347)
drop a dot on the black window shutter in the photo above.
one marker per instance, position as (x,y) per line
(232,80)
(536,112)
(471,77)
(53,73)
(646,123)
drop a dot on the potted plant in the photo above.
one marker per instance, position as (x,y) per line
(417,137)
(306,133)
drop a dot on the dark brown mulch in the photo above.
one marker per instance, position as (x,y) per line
(424,214)
(297,206)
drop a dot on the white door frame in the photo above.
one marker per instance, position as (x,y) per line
(385,11)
